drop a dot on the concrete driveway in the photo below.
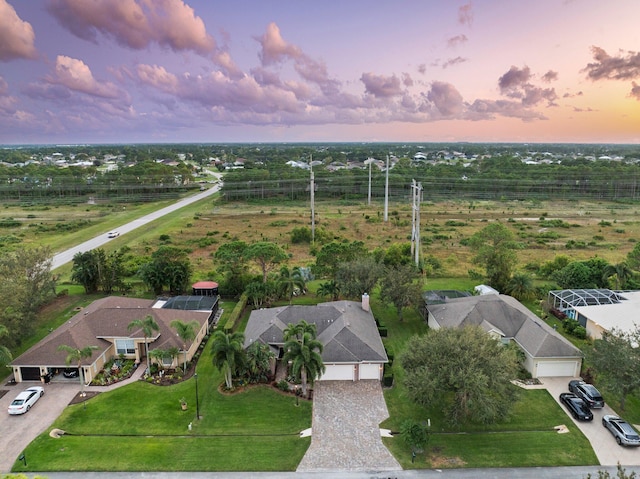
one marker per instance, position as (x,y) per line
(602,442)
(18,431)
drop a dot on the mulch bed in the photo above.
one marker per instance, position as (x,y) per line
(78,398)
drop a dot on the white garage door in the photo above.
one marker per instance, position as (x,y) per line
(370,371)
(338,372)
(557,368)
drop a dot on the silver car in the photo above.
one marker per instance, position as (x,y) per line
(624,433)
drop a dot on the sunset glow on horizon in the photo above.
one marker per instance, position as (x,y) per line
(177,71)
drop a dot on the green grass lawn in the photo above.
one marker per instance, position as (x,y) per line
(141,427)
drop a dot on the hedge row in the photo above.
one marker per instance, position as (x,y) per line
(236,313)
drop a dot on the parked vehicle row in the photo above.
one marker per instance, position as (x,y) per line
(583,397)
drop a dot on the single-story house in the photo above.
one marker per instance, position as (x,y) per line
(547,352)
(353,349)
(599,310)
(104,324)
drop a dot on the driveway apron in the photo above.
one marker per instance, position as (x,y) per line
(346,428)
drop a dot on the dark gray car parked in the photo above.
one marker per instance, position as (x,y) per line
(588,393)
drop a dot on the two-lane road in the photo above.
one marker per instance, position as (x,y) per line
(67,256)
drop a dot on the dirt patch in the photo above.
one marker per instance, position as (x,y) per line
(79,398)
(443,462)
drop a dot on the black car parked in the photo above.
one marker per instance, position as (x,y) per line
(587,392)
(71,373)
(576,406)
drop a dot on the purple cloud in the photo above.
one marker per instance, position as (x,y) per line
(446,99)
(380,86)
(457,40)
(453,61)
(635,91)
(514,79)
(16,36)
(550,76)
(607,67)
(465,14)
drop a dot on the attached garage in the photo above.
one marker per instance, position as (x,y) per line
(28,373)
(338,372)
(370,371)
(547,369)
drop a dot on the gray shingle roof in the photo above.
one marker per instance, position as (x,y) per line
(348,333)
(505,314)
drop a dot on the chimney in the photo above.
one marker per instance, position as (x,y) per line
(365,302)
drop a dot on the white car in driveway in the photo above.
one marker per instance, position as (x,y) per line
(27,398)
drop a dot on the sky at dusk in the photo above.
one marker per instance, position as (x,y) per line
(174,71)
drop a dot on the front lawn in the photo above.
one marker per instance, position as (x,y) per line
(141,427)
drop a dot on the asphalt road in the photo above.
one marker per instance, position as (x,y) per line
(506,473)
(67,256)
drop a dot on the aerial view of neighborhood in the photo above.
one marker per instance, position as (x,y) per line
(284,240)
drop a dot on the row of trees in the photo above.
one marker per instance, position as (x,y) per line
(302,352)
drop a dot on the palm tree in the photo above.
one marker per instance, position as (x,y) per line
(173,352)
(330,289)
(305,357)
(77,355)
(157,355)
(621,272)
(521,287)
(297,330)
(5,354)
(289,281)
(228,354)
(148,326)
(259,357)
(186,332)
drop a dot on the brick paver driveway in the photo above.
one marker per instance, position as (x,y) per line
(346,428)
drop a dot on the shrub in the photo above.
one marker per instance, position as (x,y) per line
(237,312)
(283,385)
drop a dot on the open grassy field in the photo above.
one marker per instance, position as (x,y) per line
(578,229)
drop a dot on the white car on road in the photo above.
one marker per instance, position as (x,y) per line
(27,398)
(113,234)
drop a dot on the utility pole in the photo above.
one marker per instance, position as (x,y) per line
(313,206)
(370,160)
(386,193)
(416,195)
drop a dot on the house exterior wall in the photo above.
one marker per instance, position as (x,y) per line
(594,330)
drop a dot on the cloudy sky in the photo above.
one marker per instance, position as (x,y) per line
(121,71)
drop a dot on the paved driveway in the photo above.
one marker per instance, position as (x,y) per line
(602,442)
(346,429)
(16,432)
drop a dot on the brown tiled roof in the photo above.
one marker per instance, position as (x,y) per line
(107,318)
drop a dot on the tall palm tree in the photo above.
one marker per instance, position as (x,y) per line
(5,354)
(521,286)
(305,357)
(148,326)
(289,281)
(330,289)
(228,354)
(186,332)
(620,271)
(77,355)
(297,330)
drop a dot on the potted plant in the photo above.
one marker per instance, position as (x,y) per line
(183,404)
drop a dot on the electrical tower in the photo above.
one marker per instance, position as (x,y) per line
(416,196)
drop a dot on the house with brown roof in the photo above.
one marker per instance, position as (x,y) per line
(105,324)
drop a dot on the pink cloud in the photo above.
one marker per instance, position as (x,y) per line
(514,79)
(274,48)
(135,23)
(453,61)
(550,76)
(16,36)
(76,75)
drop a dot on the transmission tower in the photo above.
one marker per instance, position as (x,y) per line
(416,198)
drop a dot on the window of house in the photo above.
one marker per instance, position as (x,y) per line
(125,346)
